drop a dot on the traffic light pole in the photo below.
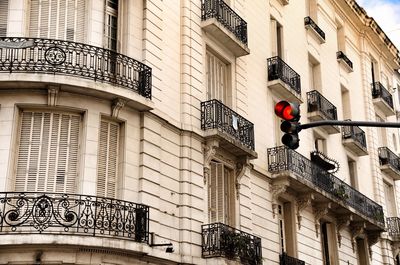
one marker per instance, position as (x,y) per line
(350,123)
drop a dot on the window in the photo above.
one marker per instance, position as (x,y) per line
(3,17)
(320,144)
(218,76)
(311,9)
(286,228)
(221,194)
(374,71)
(111,25)
(346,103)
(341,38)
(328,238)
(353,173)
(389,199)
(48,147)
(108,154)
(58,19)
(315,75)
(362,252)
(276,38)
(382,139)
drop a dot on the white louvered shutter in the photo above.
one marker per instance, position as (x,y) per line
(3,17)
(58,19)
(217,78)
(48,152)
(107,167)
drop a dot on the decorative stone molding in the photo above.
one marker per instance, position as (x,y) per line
(276,190)
(210,149)
(116,106)
(52,95)
(320,210)
(373,238)
(303,202)
(396,248)
(357,229)
(342,222)
(241,167)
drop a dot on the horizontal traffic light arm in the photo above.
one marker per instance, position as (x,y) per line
(349,123)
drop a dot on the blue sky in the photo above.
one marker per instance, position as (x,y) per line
(387,14)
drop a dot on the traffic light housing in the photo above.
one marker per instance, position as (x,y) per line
(290,113)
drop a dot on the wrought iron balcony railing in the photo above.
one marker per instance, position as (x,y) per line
(219,10)
(72,214)
(310,23)
(355,133)
(393,226)
(220,240)
(283,159)
(317,102)
(215,115)
(341,56)
(379,91)
(31,55)
(387,157)
(278,69)
(285,259)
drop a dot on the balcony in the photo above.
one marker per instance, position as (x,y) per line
(319,108)
(221,22)
(58,57)
(393,227)
(344,60)
(353,138)
(382,99)
(313,27)
(234,132)
(72,214)
(283,80)
(390,162)
(285,259)
(305,177)
(220,240)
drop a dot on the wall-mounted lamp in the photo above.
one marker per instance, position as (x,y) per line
(170,246)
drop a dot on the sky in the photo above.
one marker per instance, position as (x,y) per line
(387,14)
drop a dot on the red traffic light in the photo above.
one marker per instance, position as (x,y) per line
(287,111)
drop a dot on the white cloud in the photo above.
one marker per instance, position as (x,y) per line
(386,13)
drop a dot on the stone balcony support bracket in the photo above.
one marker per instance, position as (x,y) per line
(342,222)
(357,230)
(320,210)
(303,202)
(277,189)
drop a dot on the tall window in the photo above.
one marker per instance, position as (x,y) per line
(107,163)
(328,238)
(346,103)
(276,38)
(352,173)
(3,17)
(341,38)
(311,9)
(362,251)
(382,137)
(58,19)
(218,76)
(221,194)
(315,74)
(47,152)
(374,71)
(285,226)
(389,199)
(111,25)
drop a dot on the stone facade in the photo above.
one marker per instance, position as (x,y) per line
(196,139)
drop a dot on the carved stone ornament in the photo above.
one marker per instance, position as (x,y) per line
(373,238)
(277,190)
(396,248)
(342,222)
(303,202)
(52,95)
(240,171)
(356,231)
(116,106)
(320,210)
(210,149)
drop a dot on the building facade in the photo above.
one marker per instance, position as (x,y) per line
(143,132)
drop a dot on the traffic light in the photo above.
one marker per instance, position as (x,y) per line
(290,113)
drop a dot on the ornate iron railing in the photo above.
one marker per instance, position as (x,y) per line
(393,226)
(72,214)
(31,55)
(215,115)
(220,240)
(355,133)
(317,102)
(278,69)
(226,16)
(387,157)
(283,159)
(309,22)
(341,56)
(285,259)
(379,91)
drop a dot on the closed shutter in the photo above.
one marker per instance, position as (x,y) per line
(217,79)
(58,19)
(221,194)
(48,152)
(107,168)
(3,17)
